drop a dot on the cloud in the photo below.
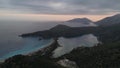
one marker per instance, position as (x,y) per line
(70,7)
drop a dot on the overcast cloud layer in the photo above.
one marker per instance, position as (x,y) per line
(61,6)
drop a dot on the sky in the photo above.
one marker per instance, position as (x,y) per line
(58,9)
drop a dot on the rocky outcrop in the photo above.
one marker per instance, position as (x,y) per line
(67,63)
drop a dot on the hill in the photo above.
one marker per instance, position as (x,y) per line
(109,20)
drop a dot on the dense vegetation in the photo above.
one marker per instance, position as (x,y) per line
(101,56)
(20,61)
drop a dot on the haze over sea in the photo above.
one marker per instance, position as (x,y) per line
(10,42)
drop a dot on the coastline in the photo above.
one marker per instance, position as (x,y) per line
(48,50)
(28,49)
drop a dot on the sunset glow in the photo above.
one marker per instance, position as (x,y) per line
(48,17)
(57,10)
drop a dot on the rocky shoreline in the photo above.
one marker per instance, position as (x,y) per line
(47,51)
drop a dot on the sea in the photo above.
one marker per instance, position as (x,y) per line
(12,44)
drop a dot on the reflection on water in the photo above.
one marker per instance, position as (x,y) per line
(68,44)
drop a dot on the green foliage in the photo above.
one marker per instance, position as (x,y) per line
(20,61)
(102,56)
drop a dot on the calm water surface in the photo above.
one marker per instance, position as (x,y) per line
(11,44)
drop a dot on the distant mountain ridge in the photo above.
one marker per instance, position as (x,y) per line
(109,20)
(105,33)
(80,20)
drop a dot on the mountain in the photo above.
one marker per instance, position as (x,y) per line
(104,34)
(101,56)
(109,20)
(60,27)
(61,31)
(105,55)
(79,22)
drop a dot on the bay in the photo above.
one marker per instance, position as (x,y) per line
(10,42)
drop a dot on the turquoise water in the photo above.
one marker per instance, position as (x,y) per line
(31,45)
(10,42)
